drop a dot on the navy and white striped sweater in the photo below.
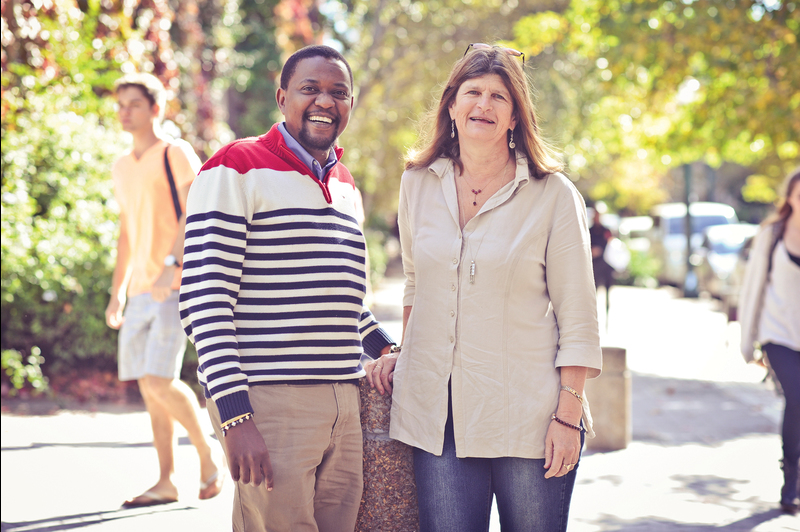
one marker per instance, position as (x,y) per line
(274,274)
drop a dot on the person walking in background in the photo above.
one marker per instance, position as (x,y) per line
(769,313)
(599,236)
(272,296)
(500,312)
(144,291)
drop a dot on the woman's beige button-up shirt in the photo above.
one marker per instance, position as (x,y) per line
(500,339)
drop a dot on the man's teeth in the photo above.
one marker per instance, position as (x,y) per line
(322,119)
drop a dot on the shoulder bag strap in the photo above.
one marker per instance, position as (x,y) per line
(175,201)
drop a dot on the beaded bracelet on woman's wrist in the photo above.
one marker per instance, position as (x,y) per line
(566,424)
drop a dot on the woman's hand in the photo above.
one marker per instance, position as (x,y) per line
(380,373)
(562,449)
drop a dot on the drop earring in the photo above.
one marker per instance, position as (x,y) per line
(511,142)
(452,129)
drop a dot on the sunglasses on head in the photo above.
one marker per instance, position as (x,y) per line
(484,46)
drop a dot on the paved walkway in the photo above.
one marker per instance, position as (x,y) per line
(704,454)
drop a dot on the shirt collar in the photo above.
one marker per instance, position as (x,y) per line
(318,171)
(443,165)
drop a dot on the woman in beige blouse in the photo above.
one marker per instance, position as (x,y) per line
(500,318)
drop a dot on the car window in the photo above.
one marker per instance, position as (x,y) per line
(676,225)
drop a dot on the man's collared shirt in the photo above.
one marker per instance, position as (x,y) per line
(298,149)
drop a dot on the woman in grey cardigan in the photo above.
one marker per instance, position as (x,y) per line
(770,320)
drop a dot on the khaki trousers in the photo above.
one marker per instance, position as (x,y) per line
(313,433)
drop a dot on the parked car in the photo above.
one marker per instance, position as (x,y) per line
(668,234)
(730,301)
(718,258)
(633,230)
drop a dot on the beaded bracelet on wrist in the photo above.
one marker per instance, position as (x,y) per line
(235,421)
(573,391)
(566,424)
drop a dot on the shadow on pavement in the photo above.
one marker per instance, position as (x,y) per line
(613,524)
(96,445)
(71,522)
(677,411)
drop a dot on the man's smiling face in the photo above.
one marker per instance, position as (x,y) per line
(316,104)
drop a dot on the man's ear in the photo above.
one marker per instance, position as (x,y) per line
(280,98)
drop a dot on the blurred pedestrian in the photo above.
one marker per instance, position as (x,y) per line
(500,313)
(770,319)
(599,236)
(151,184)
(272,296)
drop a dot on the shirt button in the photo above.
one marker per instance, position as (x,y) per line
(452,313)
(452,339)
(452,288)
(455,261)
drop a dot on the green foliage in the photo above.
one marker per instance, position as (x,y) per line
(27,373)
(642,270)
(58,223)
(662,83)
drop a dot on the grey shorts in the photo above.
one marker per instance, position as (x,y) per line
(151,339)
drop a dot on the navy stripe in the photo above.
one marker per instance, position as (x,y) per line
(295,329)
(304,371)
(208,305)
(204,350)
(215,215)
(264,301)
(214,333)
(208,276)
(300,315)
(304,240)
(217,318)
(265,344)
(305,270)
(302,285)
(328,211)
(305,357)
(222,359)
(211,259)
(316,226)
(304,255)
(214,290)
(213,230)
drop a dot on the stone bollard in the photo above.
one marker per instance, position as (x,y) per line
(389,502)
(610,401)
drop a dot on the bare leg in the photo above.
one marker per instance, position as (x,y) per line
(179,401)
(163,435)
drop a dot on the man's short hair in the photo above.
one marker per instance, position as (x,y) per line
(151,87)
(311,51)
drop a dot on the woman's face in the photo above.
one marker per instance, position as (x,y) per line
(483,110)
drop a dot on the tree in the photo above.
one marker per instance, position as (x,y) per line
(641,86)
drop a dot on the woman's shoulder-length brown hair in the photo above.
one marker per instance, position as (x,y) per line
(436,141)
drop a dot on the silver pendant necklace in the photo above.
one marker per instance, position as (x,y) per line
(472,265)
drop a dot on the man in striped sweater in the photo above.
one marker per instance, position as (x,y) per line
(272,297)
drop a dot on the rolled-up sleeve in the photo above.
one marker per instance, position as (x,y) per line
(570,284)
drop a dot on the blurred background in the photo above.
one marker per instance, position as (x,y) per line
(655,105)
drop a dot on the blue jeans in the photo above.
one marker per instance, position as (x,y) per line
(455,494)
(785,363)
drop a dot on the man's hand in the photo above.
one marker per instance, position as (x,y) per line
(114,310)
(248,457)
(163,286)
